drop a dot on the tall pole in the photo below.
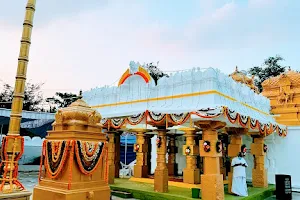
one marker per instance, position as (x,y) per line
(13,142)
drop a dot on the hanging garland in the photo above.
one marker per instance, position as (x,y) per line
(156,117)
(231,115)
(56,154)
(104,121)
(243,120)
(209,112)
(187,150)
(136,119)
(253,123)
(219,146)
(206,146)
(262,128)
(117,122)
(88,155)
(178,119)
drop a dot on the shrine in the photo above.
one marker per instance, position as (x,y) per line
(211,111)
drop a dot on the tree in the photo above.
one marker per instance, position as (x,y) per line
(155,72)
(33,97)
(61,100)
(271,67)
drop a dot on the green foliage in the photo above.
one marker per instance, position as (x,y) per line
(155,72)
(61,100)
(271,67)
(32,97)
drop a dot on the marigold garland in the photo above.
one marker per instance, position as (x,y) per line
(55,160)
(88,164)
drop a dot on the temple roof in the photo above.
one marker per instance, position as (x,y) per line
(241,77)
(291,77)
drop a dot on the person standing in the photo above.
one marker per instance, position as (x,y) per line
(239,164)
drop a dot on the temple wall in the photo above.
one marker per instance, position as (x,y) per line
(282,157)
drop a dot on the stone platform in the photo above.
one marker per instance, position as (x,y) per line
(146,191)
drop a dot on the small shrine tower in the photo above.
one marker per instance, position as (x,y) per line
(241,77)
(284,94)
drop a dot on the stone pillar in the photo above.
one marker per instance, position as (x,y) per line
(111,157)
(259,173)
(172,150)
(117,153)
(161,172)
(211,181)
(233,149)
(141,149)
(191,174)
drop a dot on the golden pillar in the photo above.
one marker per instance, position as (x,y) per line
(75,157)
(172,150)
(161,172)
(259,173)
(111,156)
(141,149)
(191,174)
(13,144)
(211,181)
(233,150)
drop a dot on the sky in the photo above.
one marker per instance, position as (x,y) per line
(80,44)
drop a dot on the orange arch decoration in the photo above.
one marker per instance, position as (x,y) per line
(141,72)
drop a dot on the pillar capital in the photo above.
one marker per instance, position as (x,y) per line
(210,125)
(236,131)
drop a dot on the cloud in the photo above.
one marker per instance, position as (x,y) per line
(93,47)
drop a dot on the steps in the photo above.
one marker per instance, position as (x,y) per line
(124,195)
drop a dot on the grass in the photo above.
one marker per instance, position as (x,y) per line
(146,191)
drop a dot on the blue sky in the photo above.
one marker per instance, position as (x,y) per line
(83,44)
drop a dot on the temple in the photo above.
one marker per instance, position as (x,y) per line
(192,121)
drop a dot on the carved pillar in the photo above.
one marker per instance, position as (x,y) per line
(141,149)
(172,150)
(117,153)
(111,156)
(233,149)
(259,173)
(191,174)
(161,172)
(211,181)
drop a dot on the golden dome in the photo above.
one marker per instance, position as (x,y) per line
(290,77)
(78,113)
(241,77)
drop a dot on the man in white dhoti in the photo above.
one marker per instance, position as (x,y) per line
(239,164)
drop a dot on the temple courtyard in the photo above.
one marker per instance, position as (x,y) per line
(146,191)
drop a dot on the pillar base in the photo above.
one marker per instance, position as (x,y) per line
(96,193)
(22,195)
(140,171)
(259,178)
(212,187)
(191,176)
(161,179)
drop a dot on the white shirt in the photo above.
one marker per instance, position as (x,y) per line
(239,171)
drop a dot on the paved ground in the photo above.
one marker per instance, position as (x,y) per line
(30,179)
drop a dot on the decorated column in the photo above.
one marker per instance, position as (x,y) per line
(211,150)
(111,156)
(75,157)
(172,150)
(161,172)
(141,149)
(259,173)
(191,174)
(233,149)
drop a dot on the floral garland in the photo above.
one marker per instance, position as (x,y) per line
(16,158)
(262,128)
(187,150)
(156,117)
(178,119)
(206,146)
(253,123)
(117,122)
(104,121)
(55,156)
(243,120)
(231,115)
(87,161)
(219,146)
(136,119)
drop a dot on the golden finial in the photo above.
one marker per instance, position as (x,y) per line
(80,94)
